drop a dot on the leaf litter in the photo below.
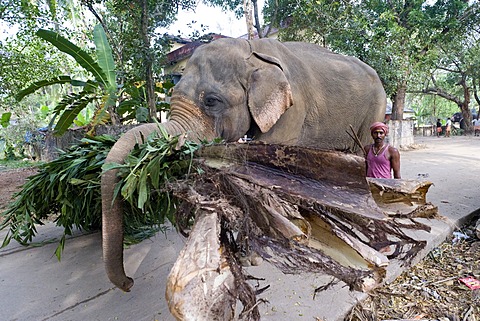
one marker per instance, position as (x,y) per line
(432,289)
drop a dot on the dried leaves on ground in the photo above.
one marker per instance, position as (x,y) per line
(431,290)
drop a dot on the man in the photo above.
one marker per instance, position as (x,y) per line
(439,127)
(448,129)
(476,126)
(381,158)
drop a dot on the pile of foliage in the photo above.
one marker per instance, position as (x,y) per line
(68,189)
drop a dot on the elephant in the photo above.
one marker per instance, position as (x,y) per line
(287,93)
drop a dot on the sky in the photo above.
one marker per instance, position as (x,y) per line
(217,21)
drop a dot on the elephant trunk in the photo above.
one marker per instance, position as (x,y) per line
(185,118)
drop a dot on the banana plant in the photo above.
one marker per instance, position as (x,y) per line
(102,88)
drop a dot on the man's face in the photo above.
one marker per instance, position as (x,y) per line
(378,135)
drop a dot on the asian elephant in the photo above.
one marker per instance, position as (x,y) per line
(285,93)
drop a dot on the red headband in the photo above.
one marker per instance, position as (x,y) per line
(379,125)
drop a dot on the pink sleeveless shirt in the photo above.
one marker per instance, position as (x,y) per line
(378,166)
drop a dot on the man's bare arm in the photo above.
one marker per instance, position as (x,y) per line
(395,161)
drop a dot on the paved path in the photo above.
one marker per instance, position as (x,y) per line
(35,286)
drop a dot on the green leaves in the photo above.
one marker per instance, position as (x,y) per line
(104,56)
(5,119)
(43,83)
(70,106)
(80,56)
(68,188)
(150,166)
(103,72)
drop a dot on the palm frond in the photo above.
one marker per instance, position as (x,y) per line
(48,82)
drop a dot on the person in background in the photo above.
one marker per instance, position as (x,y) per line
(381,158)
(448,128)
(463,126)
(476,126)
(439,127)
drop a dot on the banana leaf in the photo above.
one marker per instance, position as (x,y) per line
(81,56)
(104,56)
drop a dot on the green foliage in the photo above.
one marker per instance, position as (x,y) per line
(149,167)
(71,105)
(49,82)
(5,119)
(134,107)
(105,57)
(81,57)
(103,72)
(67,189)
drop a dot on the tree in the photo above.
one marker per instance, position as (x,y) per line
(397,38)
(242,8)
(104,81)
(455,73)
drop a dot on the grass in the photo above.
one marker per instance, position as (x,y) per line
(14,164)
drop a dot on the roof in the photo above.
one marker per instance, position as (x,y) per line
(189,47)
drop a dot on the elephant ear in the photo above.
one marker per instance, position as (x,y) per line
(269,93)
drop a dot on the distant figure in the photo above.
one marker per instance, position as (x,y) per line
(448,128)
(476,126)
(439,127)
(463,126)
(381,158)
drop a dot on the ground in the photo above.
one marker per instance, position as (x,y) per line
(431,290)
(11,181)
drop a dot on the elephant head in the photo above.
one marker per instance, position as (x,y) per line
(283,93)
(226,91)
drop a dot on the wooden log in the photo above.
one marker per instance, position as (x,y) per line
(402,197)
(201,285)
(301,209)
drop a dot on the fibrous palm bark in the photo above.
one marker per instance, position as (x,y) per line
(301,209)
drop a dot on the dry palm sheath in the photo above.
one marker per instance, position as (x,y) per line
(300,209)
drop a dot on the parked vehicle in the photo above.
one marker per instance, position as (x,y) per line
(458,116)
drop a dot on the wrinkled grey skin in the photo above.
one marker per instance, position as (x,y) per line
(286,93)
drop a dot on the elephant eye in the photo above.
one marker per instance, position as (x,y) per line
(212,101)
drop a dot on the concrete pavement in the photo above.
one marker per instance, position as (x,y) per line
(35,286)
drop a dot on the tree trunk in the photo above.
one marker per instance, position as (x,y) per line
(148,62)
(247,8)
(475,94)
(398,100)
(257,20)
(465,106)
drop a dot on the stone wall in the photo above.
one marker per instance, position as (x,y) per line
(400,133)
(72,136)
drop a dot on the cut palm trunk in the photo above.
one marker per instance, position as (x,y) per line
(201,284)
(402,197)
(300,209)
